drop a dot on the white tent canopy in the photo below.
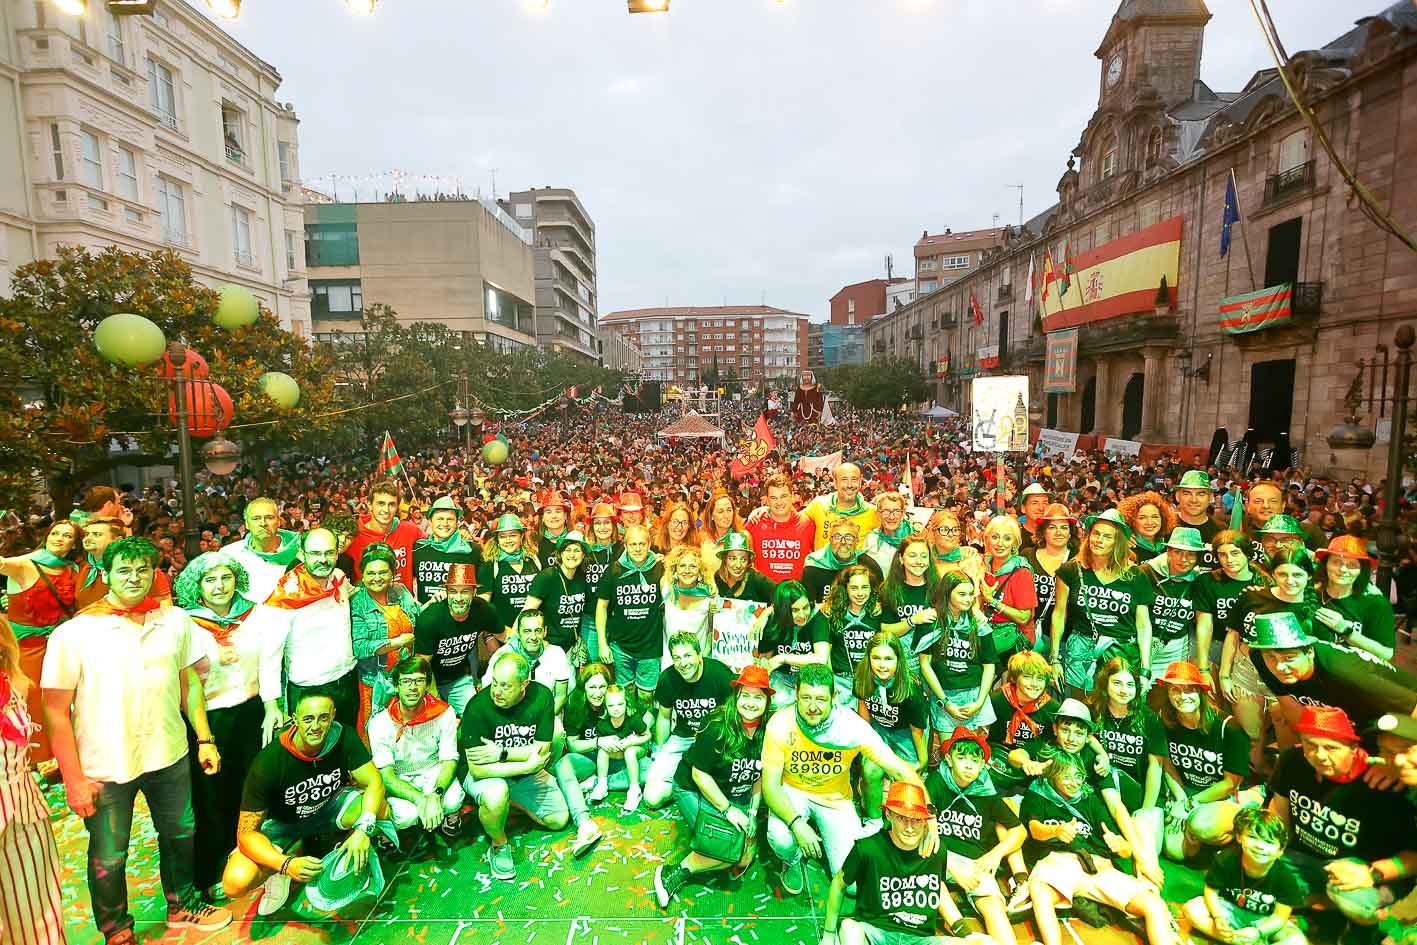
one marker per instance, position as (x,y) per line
(936,412)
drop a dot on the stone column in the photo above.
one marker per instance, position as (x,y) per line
(1153,395)
(1102,412)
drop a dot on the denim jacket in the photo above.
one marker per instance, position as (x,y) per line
(370,631)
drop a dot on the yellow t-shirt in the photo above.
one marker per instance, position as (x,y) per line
(820,510)
(821,767)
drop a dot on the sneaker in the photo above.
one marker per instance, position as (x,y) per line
(274,895)
(451,827)
(122,937)
(600,792)
(587,836)
(588,785)
(632,801)
(1020,900)
(499,859)
(199,916)
(215,894)
(668,880)
(794,877)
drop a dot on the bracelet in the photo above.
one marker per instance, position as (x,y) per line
(286,865)
(793,823)
(206,741)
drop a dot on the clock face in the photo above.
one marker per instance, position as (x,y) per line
(1114,70)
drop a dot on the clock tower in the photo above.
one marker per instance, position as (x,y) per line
(1156,43)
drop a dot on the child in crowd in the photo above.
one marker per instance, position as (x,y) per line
(620,735)
(1251,892)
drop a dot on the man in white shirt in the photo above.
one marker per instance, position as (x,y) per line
(318,644)
(415,747)
(115,680)
(549,664)
(267,552)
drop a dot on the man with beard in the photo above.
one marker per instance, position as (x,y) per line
(447,546)
(383,525)
(318,644)
(842,551)
(447,632)
(267,552)
(414,742)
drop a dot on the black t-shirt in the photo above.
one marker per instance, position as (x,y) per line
(849,641)
(1359,684)
(1216,594)
(912,601)
(1259,895)
(632,724)
(290,789)
(634,619)
(1131,747)
(735,775)
(756,586)
(1173,612)
(452,644)
(691,702)
(1110,610)
(597,563)
(1043,587)
(1370,610)
(431,566)
(1090,812)
(1262,601)
(956,662)
(546,548)
(1208,529)
(896,890)
(507,587)
(967,822)
(1204,759)
(818,579)
(1003,715)
(800,641)
(905,716)
(562,603)
(531,720)
(1332,820)
(580,719)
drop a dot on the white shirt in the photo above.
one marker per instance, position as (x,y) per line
(127,694)
(249,665)
(264,576)
(551,667)
(317,642)
(420,748)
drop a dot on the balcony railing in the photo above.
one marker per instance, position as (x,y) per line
(1005,292)
(174,238)
(167,119)
(1296,180)
(1307,298)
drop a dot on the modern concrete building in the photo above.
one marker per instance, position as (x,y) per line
(146,133)
(1152,363)
(465,264)
(564,254)
(755,343)
(618,353)
(944,257)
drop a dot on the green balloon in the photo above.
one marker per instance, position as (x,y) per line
(494,452)
(281,388)
(236,308)
(129,340)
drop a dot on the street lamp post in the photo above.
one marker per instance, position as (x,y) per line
(177,355)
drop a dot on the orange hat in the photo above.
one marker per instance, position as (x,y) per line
(461,575)
(602,510)
(1057,512)
(962,734)
(553,499)
(631,502)
(1347,546)
(1326,721)
(753,676)
(1184,674)
(907,800)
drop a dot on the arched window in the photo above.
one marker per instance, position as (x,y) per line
(1153,146)
(1110,153)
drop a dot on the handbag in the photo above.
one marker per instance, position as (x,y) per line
(716,837)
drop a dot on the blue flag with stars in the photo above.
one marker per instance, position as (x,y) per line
(1232,214)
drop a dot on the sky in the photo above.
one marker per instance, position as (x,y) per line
(731,151)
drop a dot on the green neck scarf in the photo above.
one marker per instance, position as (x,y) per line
(511,557)
(95,569)
(949,556)
(825,557)
(700,590)
(49,559)
(901,534)
(284,555)
(1010,565)
(239,607)
(982,786)
(857,509)
(1150,547)
(630,567)
(454,544)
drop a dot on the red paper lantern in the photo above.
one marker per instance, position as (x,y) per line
(195,367)
(209,408)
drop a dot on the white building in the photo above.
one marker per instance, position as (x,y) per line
(149,132)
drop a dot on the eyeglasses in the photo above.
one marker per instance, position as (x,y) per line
(844,536)
(949,530)
(410,681)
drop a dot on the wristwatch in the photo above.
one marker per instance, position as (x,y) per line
(504,755)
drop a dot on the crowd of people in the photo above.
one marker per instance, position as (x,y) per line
(970,701)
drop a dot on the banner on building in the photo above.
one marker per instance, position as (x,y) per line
(1267,308)
(1119,447)
(1060,363)
(988,357)
(815,465)
(967,364)
(942,366)
(1120,277)
(732,632)
(1000,414)
(1053,442)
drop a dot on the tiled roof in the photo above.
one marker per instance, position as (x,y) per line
(933,239)
(698,311)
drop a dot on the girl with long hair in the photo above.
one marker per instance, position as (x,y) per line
(505,576)
(1216,591)
(720,518)
(794,635)
(906,595)
(1054,543)
(1103,602)
(1006,591)
(854,616)
(559,592)
(602,547)
(890,699)
(676,528)
(736,576)
(1133,738)
(958,668)
(1350,607)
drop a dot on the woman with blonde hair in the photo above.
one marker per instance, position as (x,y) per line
(1006,592)
(29,859)
(676,529)
(688,592)
(1151,518)
(720,518)
(945,535)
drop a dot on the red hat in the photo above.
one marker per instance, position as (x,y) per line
(461,575)
(962,734)
(602,510)
(552,499)
(1184,674)
(753,676)
(1346,546)
(1326,721)
(908,800)
(631,502)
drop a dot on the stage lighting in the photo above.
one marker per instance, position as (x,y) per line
(648,6)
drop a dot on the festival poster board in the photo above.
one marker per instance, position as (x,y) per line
(732,627)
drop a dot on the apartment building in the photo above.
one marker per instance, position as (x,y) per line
(941,258)
(564,255)
(754,343)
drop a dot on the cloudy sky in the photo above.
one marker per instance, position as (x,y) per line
(738,150)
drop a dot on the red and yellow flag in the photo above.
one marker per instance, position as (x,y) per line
(752,451)
(1118,278)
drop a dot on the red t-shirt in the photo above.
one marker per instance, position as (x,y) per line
(401,539)
(781,548)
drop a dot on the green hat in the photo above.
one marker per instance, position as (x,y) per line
(339,883)
(736,541)
(1185,538)
(1195,479)
(444,504)
(1111,517)
(1282,525)
(1279,631)
(572,537)
(508,523)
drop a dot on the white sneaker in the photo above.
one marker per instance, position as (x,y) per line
(588,834)
(600,792)
(274,895)
(632,801)
(1020,900)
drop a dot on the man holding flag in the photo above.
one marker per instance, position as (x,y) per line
(383,525)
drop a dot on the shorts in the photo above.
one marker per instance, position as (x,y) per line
(988,886)
(1063,873)
(536,793)
(642,671)
(901,740)
(942,721)
(1244,677)
(325,820)
(1360,905)
(874,935)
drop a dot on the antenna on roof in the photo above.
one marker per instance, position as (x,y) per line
(890,266)
(1019,188)
(996,221)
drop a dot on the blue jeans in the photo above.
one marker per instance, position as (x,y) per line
(169,796)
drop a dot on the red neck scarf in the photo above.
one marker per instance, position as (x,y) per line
(104,607)
(298,589)
(1023,711)
(12,724)
(287,741)
(429,709)
(1360,767)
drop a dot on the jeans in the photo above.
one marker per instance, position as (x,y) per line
(169,795)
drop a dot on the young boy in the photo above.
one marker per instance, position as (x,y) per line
(620,735)
(1250,890)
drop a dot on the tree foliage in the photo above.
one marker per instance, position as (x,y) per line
(888,382)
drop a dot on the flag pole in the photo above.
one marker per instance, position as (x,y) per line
(1244,235)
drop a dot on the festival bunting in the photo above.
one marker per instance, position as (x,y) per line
(752,452)
(1267,308)
(389,462)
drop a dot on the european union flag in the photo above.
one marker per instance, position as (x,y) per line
(1232,214)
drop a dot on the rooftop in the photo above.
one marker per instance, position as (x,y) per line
(697,311)
(950,237)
